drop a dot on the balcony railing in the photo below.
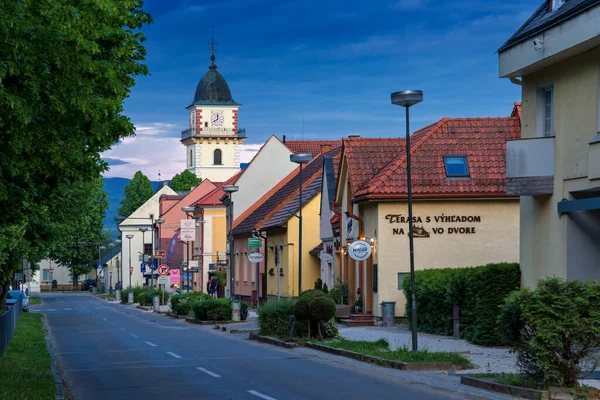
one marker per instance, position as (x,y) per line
(530,166)
(213,132)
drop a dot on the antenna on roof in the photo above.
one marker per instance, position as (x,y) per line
(213,48)
(159,176)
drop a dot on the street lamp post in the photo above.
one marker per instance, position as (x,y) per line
(300,159)
(230,189)
(159,222)
(144,230)
(129,237)
(406,99)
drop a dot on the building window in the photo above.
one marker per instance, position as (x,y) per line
(548,110)
(206,124)
(401,276)
(456,166)
(556,4)
(217,157)
(191,158)
(148,249)
(48,275)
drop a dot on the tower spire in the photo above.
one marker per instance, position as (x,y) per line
(213,50)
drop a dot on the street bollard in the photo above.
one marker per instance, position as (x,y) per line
(236,305)
(118,294)
(93,290)
(156,303)
(130,298)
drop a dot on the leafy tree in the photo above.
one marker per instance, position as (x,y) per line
(79,227)
(65,69)
(184,181)
(137,192)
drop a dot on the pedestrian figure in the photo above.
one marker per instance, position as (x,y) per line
(213,287)
(208,285)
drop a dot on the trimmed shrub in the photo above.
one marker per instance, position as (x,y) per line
(322,308)
(304,320)
(274,317)
(479,292)
(181,304)
(554,329)
(212,310)
(244,310)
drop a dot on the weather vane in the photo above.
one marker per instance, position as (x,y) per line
(213,45)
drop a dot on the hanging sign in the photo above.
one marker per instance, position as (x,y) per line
(359,250)
(175,277)
(255,257)
(324,256)
(188,230)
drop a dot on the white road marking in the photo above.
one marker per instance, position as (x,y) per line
(52,309)
(112,323)
(172,354)
(262,396)
(135,336)
(122,329)
(208,372)
(98,308)
(68,309)
(105,319)
(151,344)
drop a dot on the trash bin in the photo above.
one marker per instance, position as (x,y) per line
(130,298)
(236,306)
(118,294)
(156,303)
(388,313)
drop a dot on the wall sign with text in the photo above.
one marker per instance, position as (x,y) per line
(359,250)
(443,224)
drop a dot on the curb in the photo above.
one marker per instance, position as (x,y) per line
(244,331)
(273,341)
(198,322)
(147,308)
(504,389)
(417,366)
(170,314)
(58,383)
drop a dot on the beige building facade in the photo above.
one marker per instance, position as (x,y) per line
(555,166)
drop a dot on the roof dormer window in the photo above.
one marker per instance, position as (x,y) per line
(456,166)
(555,4)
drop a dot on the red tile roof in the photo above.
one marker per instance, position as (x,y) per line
(482,140)
(365,157)
(311,146)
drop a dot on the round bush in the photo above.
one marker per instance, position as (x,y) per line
(302,307)
(322,308)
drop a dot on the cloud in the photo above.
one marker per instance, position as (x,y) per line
(114,161)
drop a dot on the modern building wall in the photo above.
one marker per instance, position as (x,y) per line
(546,240)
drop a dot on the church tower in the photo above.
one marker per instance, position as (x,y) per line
(212,141)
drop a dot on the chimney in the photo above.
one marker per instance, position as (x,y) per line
(353,136)
(283,139)
(325,147)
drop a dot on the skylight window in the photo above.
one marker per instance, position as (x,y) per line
(456,166)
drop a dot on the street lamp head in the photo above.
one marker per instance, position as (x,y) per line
(129,236)
(187,209)
(302,158)
(119,219)
(160,221)
(230,188)
(144,229)
(407,98)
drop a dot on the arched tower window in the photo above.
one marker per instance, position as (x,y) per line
(217,157)
(191,158)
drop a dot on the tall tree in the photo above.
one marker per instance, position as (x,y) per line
(65,69)
(137,192)
(184,181)
(79,227)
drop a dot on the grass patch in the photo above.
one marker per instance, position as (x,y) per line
(35,300)
(25,367)
(381,348)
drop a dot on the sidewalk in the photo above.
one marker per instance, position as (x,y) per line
(487,359)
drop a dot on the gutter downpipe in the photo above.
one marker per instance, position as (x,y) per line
(357,263)
(516,80)
(337,212)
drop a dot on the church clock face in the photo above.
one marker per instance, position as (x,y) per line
(216,119)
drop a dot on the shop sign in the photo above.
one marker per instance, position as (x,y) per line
(419,230)
(359,250)
(255,257)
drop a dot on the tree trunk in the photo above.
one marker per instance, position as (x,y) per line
(319,329)
(3,296)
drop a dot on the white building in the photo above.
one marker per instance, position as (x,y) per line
(135,243)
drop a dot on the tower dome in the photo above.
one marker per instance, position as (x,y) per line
(213,88)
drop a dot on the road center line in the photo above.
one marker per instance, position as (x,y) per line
(172,354)
(208,372)
(52,309)
(68,309)
(258,394)
(105,319)
(122,329)
(135,336)
(151,344)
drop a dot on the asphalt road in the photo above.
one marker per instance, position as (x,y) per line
(110,351)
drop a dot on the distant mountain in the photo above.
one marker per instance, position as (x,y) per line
(115,189)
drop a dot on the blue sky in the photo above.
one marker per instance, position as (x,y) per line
(333,63)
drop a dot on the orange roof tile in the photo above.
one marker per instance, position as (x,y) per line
(482,140)
(311,146)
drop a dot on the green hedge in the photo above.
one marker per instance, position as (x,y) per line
(143,295)
(212,310)
(181,304)
(274,317)
(479,292)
